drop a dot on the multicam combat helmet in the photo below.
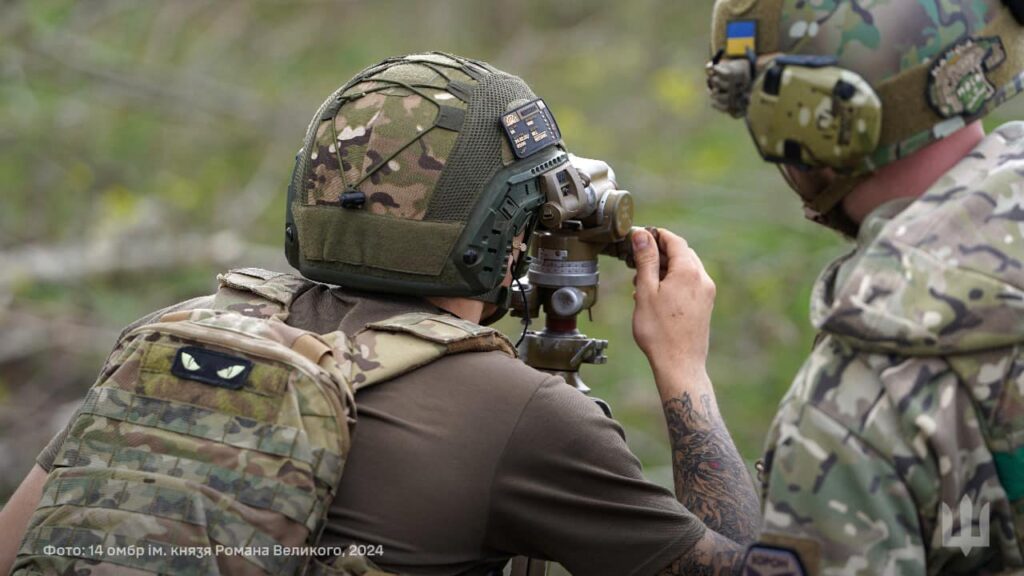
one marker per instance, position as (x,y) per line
(416,177)
(853,86)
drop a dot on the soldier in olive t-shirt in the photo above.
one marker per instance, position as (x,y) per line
(477,457)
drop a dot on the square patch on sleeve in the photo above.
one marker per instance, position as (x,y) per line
(764,560)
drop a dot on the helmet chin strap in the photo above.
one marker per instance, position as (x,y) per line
(500,297)
(823,205)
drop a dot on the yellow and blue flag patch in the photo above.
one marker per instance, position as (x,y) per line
(740,35)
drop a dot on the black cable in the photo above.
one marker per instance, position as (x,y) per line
(526,312)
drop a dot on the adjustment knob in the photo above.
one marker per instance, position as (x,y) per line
(567,301)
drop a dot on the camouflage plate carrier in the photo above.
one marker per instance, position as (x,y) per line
(215,439)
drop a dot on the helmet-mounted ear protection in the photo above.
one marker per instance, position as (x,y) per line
(811,102)
(808,112)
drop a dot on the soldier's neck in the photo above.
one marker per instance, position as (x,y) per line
(913,175)
(471,310)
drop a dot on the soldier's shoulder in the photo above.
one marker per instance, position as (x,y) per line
(843,391)
(945,275)
(838,379)
(1011,138)
(495,368)
(494,377)
(986,186)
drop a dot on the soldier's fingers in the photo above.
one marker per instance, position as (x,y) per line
(645,252)
(677,252)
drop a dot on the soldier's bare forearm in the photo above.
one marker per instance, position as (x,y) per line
(710,477)
(713,555)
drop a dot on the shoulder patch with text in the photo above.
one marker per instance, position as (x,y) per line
(770,561)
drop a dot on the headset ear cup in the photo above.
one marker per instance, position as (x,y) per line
(806,111)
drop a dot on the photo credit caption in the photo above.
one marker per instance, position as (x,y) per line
(150,550)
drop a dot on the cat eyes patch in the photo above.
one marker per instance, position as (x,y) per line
(209,367)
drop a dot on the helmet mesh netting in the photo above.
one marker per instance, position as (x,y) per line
(477,154)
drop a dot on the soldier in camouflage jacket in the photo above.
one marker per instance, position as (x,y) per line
(899,448)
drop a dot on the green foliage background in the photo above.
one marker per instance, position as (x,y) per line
(146,146)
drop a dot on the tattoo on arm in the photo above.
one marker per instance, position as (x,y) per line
(710,477)
(713,555)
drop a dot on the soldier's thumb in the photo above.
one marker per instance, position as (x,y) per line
(645,254)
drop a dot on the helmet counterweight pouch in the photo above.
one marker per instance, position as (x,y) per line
(806,111)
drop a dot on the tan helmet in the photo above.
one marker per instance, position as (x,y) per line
(853,86)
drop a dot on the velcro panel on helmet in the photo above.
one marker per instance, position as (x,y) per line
(901,96)
(358,238)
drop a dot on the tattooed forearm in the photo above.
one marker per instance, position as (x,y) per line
(713,555)
(710,478)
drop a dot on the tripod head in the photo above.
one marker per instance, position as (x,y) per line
(584,216)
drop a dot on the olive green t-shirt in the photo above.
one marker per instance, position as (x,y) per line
(461,464)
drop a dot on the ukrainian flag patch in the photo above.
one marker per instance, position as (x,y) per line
(740,35)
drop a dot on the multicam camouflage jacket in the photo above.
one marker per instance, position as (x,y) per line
(899,448)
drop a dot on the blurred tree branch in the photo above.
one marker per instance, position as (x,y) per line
(187,91)
(39,332)
(132,252)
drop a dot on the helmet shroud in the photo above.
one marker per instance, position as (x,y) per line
(403,181)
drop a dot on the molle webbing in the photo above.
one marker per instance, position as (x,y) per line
(222,429)
(85,539)
(187,506)
(249,489)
